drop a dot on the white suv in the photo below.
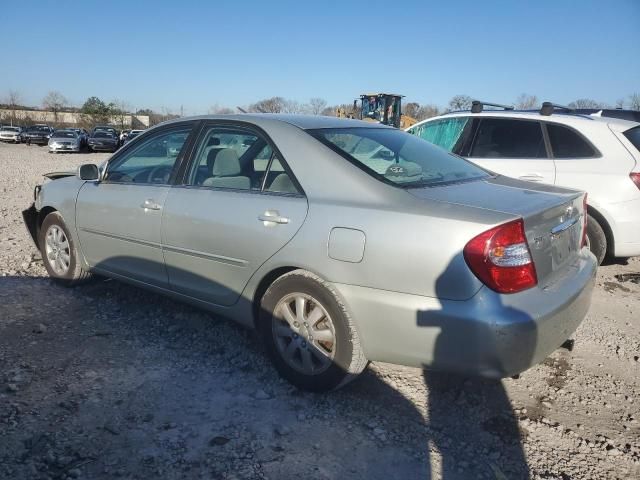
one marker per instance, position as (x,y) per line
(598,155)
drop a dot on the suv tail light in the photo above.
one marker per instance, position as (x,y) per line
(501,259)
(584,223)
(635,178)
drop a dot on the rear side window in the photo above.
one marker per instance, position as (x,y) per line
(633,136)
(566,143)
(448,133)
(505,138)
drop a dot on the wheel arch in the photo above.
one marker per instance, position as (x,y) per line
(265,282)
(608,232)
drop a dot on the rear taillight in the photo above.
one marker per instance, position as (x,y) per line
(501,259)
(585,216)
(635,178)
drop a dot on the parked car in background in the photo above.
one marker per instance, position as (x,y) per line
(67,140)
(11,134)
(352,242)
(132,134)
(37,134)
(102,141)
(600,155)
(106,128)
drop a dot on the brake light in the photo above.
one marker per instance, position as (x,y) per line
(501,259)
(635,178)
(585,217)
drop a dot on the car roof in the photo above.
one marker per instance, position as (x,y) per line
(305,122)
(558,117)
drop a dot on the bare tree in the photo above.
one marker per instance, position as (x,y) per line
(527,102)
(427,111)
(634,101)
(118,111)
(218,110)
(586,103)
(269,105)
(13,102)
(411,109)
(460,102)
(293,106)
(317,105)
(54,102)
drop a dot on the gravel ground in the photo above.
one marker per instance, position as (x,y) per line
(109,381)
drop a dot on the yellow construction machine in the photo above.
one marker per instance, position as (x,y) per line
(383,108)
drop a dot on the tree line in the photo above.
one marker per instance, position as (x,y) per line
(94,110)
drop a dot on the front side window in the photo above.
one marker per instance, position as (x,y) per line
(152,161)
(238,159)
(506,138)
(447,133)
(395,157)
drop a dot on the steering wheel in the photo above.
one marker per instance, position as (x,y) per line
(159,174)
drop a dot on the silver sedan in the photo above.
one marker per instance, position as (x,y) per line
(340,241)
(65,141)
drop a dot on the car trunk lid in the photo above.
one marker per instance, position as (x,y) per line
(553,216)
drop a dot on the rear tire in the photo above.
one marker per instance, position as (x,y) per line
(596,238)
(316,347)
(59,252)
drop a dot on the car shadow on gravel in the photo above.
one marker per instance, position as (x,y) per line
(107,380)
(478,432)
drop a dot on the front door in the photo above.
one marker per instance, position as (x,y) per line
(119,218)
(239,206)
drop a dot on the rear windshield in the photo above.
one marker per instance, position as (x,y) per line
(397,157)
(633,136)
(102,135)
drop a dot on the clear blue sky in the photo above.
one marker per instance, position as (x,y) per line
(166,54)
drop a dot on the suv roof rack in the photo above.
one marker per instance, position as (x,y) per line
(477,106)
(548,108)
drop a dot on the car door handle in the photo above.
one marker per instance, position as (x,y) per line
(531,177)
(150,204)
(271,217)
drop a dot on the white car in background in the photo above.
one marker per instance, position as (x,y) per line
(10,134)
(592,153)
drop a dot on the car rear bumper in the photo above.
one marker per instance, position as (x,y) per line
(489,335)
(104,148)
(626,216)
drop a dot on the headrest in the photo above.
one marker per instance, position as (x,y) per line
(227,164)
(282,183)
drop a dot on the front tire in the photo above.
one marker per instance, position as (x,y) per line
(59,252)
(308,333)
(596,238)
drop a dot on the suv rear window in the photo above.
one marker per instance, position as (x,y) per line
(398,158)
(633,135)
(506,138)
(566,143)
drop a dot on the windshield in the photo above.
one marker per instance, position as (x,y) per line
(102,135)
(10,129)
(397,157)
(39,129)
(64,134)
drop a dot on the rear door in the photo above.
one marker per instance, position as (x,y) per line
(238,205)
(513,147)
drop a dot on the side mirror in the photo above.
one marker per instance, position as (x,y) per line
(88,172)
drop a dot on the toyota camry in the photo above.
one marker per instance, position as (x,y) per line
(340,241)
